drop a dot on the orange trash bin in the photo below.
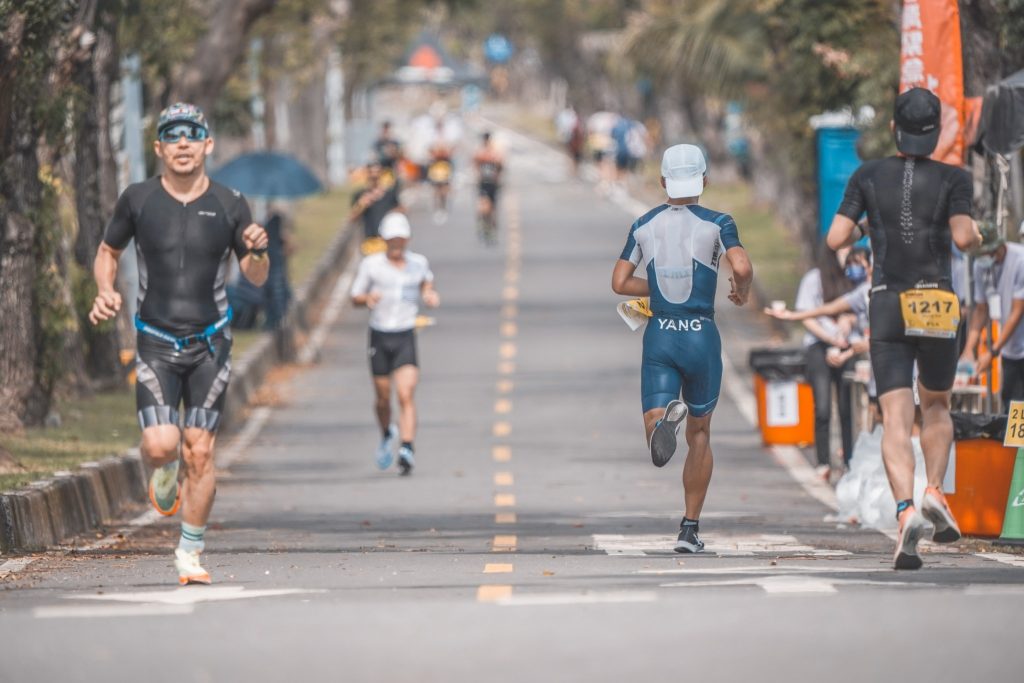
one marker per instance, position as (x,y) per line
(984,468)
(785,403)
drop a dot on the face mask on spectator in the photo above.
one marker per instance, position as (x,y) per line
(856,273)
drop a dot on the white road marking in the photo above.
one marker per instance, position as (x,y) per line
(994,589)
(792,585)
(191,595)
(760,569)
(1004,558)
(14,566)
(724,545)
(554,599)
(110,611)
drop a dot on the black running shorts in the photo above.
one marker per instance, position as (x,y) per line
(489,190)
(893,353)
(165,378)
(391,350)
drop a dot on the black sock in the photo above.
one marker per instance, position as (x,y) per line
(690,522)
(407,444)
(903,505)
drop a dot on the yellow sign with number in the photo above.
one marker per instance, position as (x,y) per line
(1015,425)
(930,313)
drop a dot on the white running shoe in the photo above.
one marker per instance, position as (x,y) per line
(936,510)
(189,569)
(911,531)
(164,490)
(385,451)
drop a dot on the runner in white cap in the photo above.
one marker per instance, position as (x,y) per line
(391,284)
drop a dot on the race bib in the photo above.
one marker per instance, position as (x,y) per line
(930,313)
(439,172)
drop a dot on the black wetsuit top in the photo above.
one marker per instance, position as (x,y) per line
(184,251)
(909,202)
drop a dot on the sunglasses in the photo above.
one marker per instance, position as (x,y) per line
(191,133)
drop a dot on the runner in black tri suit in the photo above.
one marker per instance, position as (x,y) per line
(917,208)
(186,228)
(489,166)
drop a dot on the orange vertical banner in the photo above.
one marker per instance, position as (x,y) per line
(931,57)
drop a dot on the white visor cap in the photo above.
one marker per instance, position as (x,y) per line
(683,168)
(395,224)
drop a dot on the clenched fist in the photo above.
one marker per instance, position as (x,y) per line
(105,306)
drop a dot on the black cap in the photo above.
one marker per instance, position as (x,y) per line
(918,118)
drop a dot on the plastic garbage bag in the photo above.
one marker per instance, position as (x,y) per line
(974,426)
(777,364)
(863,492)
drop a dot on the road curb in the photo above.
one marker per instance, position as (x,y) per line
(48,512)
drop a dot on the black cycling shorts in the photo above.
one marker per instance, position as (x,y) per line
(489,190)
(893,353)
(391,350)
(165,378)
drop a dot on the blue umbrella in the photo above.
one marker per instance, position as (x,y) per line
(271,175)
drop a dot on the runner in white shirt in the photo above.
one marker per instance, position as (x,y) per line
(391,285)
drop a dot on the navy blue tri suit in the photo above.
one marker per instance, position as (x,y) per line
(681,248)
(184,251)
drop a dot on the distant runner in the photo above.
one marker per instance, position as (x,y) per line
(440,171)
(372,203)
(917,208)
(185,227)
(391,285)
(489,166)
(680,244)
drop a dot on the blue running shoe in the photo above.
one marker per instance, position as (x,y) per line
(663,438)
(406,460)
(385,451)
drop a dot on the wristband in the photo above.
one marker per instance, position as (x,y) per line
(258,254)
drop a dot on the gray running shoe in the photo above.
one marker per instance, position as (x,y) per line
(663,438)
(406,460)
(689,541)
(385,451)
(936,511)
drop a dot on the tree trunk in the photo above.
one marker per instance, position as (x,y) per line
(219,52)
(20,398)
(95,171)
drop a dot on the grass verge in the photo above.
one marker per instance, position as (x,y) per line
(105,424)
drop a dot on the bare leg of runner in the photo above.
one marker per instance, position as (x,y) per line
(406,379)
(699,464)
(382,388)
(897,452)
(200,482)
(936,434)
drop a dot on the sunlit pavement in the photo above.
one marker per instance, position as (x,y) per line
(533,541)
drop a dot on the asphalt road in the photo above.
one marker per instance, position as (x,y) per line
(533,541)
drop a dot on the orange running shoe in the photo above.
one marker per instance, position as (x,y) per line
(189,569)
(164,489)
(911,531)
(936,510)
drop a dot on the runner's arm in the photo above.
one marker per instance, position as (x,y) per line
(842,233)
(742,274)
(255,266)
(965,231)
(108,300)
(429,295)
(1012,321)
(626,283)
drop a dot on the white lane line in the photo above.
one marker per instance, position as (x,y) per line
(760,569)
(191,595)
(335,305)
(14,566)
(722,545)
(555,599)
(1004,558)
(793,585)
(110,611)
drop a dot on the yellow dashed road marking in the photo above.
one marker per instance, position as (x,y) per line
(510,293)
(509,329)
(503,479)
(505,500)
(502,429)
(504,543)
(509,311)
(503,406)
(505,386)
(493,593)
(506,367)
(501,453)
(498,568)
(508,350)
(505,518)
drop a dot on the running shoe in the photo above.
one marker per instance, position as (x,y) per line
(164,490)
(911,531)
(189,569)
(936,510)
(689,541)
(663,438)
(406,460)
(385,451)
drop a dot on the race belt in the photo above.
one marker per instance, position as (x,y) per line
(181,342)
(930,313)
